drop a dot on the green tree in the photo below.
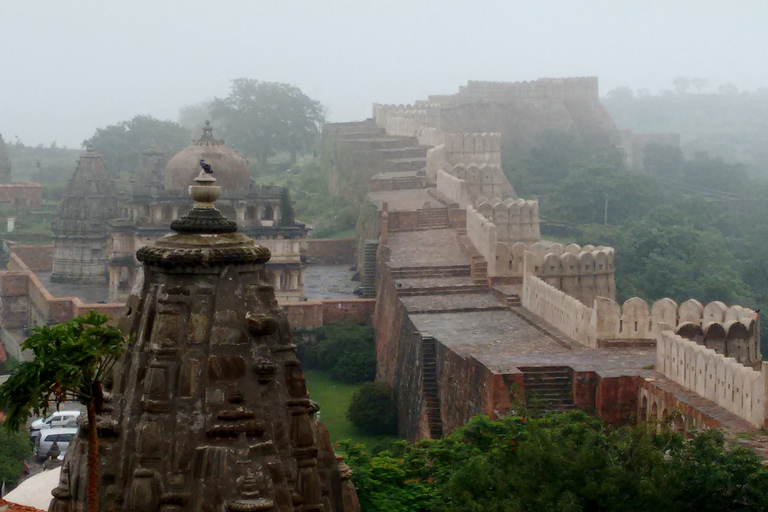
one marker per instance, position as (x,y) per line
(373,410)
(345,350)
(260,118)
(564,462)
(14,448)
(581,197)
(121,144)
(71,361)
(665,255)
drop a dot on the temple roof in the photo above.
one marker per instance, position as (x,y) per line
(230,169)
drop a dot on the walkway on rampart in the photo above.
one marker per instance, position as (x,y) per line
(474,323)
(432,248)
(473,344)
(403,200)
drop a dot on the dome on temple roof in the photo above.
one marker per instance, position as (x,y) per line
(229,168)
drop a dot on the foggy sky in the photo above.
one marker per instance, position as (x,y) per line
(69,67)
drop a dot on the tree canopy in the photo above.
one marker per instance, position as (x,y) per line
(566,462)
(259,118)
(121,144)
(71,361)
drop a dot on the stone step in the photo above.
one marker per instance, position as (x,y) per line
(405,152)
(447,290)
(437,271)
(406,164)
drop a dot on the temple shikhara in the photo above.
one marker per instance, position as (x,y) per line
(208,409)
(97,231)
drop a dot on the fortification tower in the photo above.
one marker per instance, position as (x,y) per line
(209,410)
(80,227)
(5,163)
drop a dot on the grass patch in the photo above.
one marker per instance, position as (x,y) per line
(334,398)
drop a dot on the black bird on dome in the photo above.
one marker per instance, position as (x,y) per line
(206,167)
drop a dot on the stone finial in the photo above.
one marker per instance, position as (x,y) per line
(207,138)
(204,218)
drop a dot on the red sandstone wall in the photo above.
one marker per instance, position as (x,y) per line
(666,401)
(403,221)
(467,388)
(14,303)
(16,264)
(304,315)
(398,355)
(359,311)
(616,399)
(35,257)
(330,251)
(311,314)
(457,218)
(25,195)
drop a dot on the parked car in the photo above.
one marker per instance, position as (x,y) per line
(57,419)
(61,436)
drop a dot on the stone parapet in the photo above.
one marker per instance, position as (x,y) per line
(733,386)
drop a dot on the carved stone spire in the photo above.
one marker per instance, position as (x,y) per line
(209,409)
(80,226)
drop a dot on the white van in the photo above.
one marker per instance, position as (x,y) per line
(56,419)
(61,436)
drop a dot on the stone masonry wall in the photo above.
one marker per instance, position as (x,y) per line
(329,251)
(398,355)
(35,257)
(731,331)
(737,388)
(311,314)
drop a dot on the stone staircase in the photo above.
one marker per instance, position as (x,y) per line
(507,295)
(429,387)
(434,271)
(548,388)
(432,218)
(367,276)
(442,290)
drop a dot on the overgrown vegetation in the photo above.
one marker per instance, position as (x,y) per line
(345,350)
(566,462)
(121,144)
(14,449)
(690,228)
(328,216)
(373,410)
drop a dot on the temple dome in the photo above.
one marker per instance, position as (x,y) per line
(229,168)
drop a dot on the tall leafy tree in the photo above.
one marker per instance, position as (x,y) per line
(121,144)
(259,118)
(71,361)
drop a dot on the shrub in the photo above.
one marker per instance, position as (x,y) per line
(14,448)
(344,350)
(373,410)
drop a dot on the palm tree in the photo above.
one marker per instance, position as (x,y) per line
(71,361)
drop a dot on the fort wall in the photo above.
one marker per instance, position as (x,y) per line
(35,257)
(21,194)
(729,331)
(329,251)
(735,387)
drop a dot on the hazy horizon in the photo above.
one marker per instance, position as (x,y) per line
(67,69)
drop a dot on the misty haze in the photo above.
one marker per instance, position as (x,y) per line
(383,256)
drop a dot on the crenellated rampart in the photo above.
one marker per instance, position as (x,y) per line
(729,331)
(421,121)
(560,310)
(721,379)
(550,88)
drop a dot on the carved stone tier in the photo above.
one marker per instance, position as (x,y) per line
(209,409)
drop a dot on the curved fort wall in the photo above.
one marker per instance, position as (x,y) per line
(730,331)
(738,388)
